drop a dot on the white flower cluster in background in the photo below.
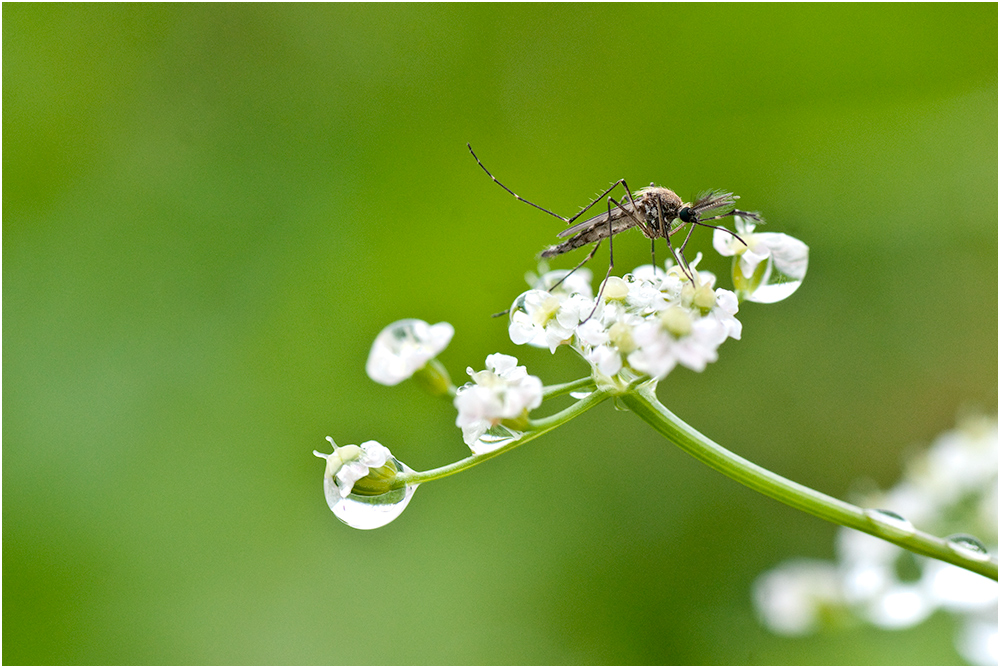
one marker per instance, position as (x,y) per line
(950,487)
(648,321)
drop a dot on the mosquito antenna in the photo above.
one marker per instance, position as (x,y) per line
(719,227)
(565,220)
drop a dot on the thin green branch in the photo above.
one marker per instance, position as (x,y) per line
(643,402)
(535,429)
(582,384)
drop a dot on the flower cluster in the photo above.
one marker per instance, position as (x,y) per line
(640,326)
(504,391)
(952,484)
(648,321)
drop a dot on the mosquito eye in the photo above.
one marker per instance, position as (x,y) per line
(687,215)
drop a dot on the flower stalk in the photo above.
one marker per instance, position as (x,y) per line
(535,429)
(644,403)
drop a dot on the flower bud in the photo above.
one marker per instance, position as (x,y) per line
(676,320)
(615,288)
(365,470)
(704,297)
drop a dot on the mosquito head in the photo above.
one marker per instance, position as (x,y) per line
(688,215)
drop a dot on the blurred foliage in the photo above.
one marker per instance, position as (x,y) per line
(211,210)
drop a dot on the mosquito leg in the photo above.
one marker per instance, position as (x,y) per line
(619,182)
(735,212)
(678,257)
(518,197)
(686,239)
(585,261)
(611,259)
(680,260)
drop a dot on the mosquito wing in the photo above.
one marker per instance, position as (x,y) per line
(716,202)
(628,219)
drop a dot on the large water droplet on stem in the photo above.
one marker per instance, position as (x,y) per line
(890,523)
(371,512)
(494,438)
(968,546)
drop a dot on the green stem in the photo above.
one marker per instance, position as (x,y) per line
(535,429)
(643,402)
(550,391)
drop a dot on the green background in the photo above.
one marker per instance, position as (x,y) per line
(211,210)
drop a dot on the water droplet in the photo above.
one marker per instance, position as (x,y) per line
(777,276)
(968,546)
(776,291)
(620,405)
(371,512)
(495,438)
(517,306)
(891,524)
(581,395)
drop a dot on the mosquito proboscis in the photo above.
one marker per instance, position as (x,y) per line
(658,213)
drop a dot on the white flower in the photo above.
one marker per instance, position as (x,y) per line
(503,391)
(785,261)
(688,332)
(404,347)
(725,310)
(547,320)
(348,464)
(577,282)
(606,339)
(606,359)
(791,598)
(651,320)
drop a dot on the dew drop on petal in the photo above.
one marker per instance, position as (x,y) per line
(774,288)
(783,270)
(892,525)
(372,512)
(968,546)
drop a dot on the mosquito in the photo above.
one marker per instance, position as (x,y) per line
(658,213)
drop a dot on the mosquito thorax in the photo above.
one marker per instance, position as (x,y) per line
(654,201)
